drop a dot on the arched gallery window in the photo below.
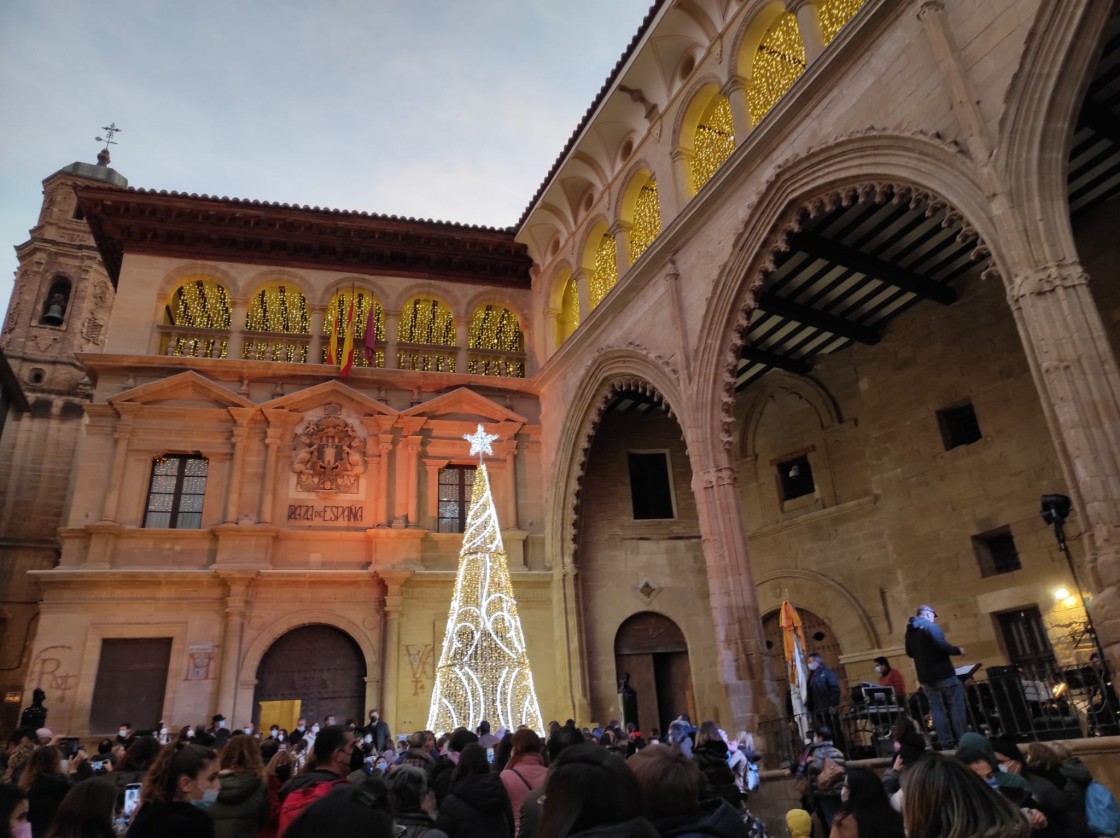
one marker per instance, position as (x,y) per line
(712,143)
(778,62)
(197,320)
(568,321)
(835,14)
(604,274)
(496,343)
(334,323)
(425,330)
(275,312)
(645,221)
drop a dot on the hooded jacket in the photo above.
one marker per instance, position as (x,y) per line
(1012,786)
(476,807)
(717,818)
(634,828)
(241,807)
(926,644)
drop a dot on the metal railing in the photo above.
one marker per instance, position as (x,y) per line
(1036,705)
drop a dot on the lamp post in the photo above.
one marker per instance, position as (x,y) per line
(1055,510)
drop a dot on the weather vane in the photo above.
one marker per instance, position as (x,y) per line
(109,130)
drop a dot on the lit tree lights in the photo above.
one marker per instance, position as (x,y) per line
(483,671)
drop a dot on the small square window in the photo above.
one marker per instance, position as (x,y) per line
(958,426)
(795,478)
(650,492)
(995,552)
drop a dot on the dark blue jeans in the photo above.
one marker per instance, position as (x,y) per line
(947,707)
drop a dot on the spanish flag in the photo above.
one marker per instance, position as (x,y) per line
(332,355)
(346,360)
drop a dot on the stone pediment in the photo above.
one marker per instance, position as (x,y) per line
(330,392)
(187,389)
(465,405)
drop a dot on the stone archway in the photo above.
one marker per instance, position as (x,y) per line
(321,666)
(652,650)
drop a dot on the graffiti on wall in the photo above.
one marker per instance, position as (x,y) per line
(49,673)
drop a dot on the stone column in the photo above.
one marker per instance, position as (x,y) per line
(413,508)
(394,601)
(682,175)
(736,92)
(552,340)
(121,436)
(431,506)
(509,486)
(1078,381)
(739,650)
(238,434)
(272,438)
(232,633)
(385,443)
(392,323)
(620,232)
(462,356)
(810,25)
(583,291)
(573,644)
(315,345)
(236,329)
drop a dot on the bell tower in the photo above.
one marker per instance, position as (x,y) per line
(59,308)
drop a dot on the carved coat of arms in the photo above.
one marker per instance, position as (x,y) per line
(328,456)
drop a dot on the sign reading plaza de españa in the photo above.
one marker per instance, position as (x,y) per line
(327,485)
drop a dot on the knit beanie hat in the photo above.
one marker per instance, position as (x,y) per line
(800,823)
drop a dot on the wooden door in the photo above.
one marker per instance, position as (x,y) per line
(320,666)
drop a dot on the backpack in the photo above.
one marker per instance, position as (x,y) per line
(755,827)
(1101,810)
(299,799)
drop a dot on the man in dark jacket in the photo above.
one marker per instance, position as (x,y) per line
(333,749)
(926,644)
(823,701)
(379,730)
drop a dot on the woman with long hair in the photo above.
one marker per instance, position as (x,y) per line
(278,771)
(242,805)
(13,811)
(138,758)
(943,799)
(865,809)
(181,784)
(587,788)
(46,787)
(710,754)
(524,772)
(477,805)
(87,811)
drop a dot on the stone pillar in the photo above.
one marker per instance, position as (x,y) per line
(236,329)
(682,175)
(573,644)
(552,340)
(509,486)
(394,602)
(121,436)
(392,323)
(810,25)
(431,507)
(272,438)
(385,443)
(237,439)
(620,232)
(739,650)
(413,508)
(582,278)
(736,92)
(462,356)
(315,345)
(1078,381)
(232,633)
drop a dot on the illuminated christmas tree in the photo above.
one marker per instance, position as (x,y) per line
(483,671)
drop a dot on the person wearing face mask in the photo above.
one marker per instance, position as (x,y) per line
(219,731)
(823,702)
(892,678)
(865,811)
(181,785)
(242,804)
(123,734)
(333,751)
(379,730)
(13,811)
(299,732)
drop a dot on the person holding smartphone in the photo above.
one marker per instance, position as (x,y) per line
(181,785)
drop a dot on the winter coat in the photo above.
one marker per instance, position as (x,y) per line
(529,820)
(1052,802)
(824,690)
(476,807)
(43,799)
(527,773)
(33,716)
(242,806)
(716,818)
(418,825)
(719,782)
(439,778)
(303,783)
(1077,779)
(817,755)
(1011,786)
(926,644)
(170,820)
(636,828)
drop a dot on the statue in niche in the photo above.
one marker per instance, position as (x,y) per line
(627,701)
(328,457)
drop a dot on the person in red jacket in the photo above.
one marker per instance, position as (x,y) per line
(891,678)
(333,749)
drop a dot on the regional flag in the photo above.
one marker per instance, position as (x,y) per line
(369,337)
(332,346)
(346,360)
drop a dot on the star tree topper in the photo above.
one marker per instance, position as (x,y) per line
(480,442)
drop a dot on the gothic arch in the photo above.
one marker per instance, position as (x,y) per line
(808,390)
(869,166)
(826,598)
(307,617)
(1037,127)
(613,371)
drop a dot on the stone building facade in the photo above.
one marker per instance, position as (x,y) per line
(816,303)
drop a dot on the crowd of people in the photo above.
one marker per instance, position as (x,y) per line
(329,779)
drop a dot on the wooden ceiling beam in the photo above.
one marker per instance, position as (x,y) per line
(818,319)
(771,359)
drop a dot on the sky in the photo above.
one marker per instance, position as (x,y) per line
(443,109)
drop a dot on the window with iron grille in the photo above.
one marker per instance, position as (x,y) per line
(455,484)
(959,426)
(176,492)
(995,552)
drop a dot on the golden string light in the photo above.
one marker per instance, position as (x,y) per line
(605,273)
(495,329)
(426,321)
(713,142)
(279,309)
(199,303)
(483,670)
(779,61)
(834,14)
(336,313)
(569,309)
(646,223)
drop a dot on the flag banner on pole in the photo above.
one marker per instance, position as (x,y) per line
(793,645)
(332,351)
(346,359)
(369,337)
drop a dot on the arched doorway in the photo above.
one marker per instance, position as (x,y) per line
(652,649)
(318,665)
(819,637)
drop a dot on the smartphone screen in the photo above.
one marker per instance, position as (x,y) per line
(69,746)
(131,800)
(490,755)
